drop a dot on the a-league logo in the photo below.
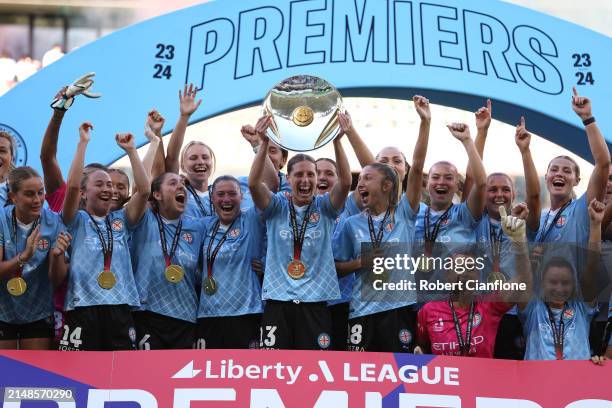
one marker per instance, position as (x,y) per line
(324,340)
(405,337)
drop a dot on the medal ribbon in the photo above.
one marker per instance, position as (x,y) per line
(298,236)
(557,332)
(32,228)
(198,200)
(164,243)
(376,238)
(430,237)
(107,248)
(542,237)
(496,245)
(210,257)
(464,344)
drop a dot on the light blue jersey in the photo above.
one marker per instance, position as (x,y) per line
(3,193)
(177,300)
(87,262)
(36,303)
(346,282)
(198,204)
(572,226)
(459,226)
(539,335)
(247,198)
(238,289)
(347,246)
(320,282)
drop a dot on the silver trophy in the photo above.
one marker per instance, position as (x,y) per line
(304,112)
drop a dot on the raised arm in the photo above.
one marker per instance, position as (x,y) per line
(588,276)
(514,228)
(597,143)
(9,267)
(135,208)
(154,161)
(73,190)
(58,269)
(341,189)
(476,198)
(483,121)
(270,177)
(48,150)
(259,190)
(532,183)
(188,106)
(363,153)
(415,175)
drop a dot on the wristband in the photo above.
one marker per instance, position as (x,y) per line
(20,261)
(588,121)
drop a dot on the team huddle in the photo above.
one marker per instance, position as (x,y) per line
(283,260)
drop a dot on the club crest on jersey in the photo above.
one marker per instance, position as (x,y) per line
(324,340)
(438,326)
(389,227)
(561,221)
(476,320)
(132,334)
(568,314)
(234,232)
(314,217)
(445,221)
(405,337)
(117,225)
(43,244)
(187,237)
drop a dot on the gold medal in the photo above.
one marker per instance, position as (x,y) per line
(424,264)
(210,286)
(496,276)
(17,286)
(174,273)
(107,280)
(302,116)
(296,269)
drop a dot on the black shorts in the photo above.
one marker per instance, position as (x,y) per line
(99,328)
(229,332)
(295,325)
(158,332)
(40,329)
(510,342)
(389,331)
(339,315)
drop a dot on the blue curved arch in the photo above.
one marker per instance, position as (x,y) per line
(456,53)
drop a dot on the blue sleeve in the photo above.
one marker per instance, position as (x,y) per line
(76,221)
(405,211)
(465,216)
(255,220)
(2,216)
(581,212)
(326,206)
(342,244)
(274,207)
(526,315)
(145,219)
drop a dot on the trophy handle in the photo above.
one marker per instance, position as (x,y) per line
(328,129)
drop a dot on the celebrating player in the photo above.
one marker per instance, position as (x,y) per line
(101,286)
(165,252)
(27,234)
(300,274)
(387,323)
(230,308)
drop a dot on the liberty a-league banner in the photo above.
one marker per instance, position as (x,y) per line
(456,52)
(277,379)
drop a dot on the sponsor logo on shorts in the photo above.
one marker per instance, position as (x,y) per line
(117,225)
(405,337)
(324,340)
(187,237)
(253,344)
(234,232)
(132,334)
(43,244)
